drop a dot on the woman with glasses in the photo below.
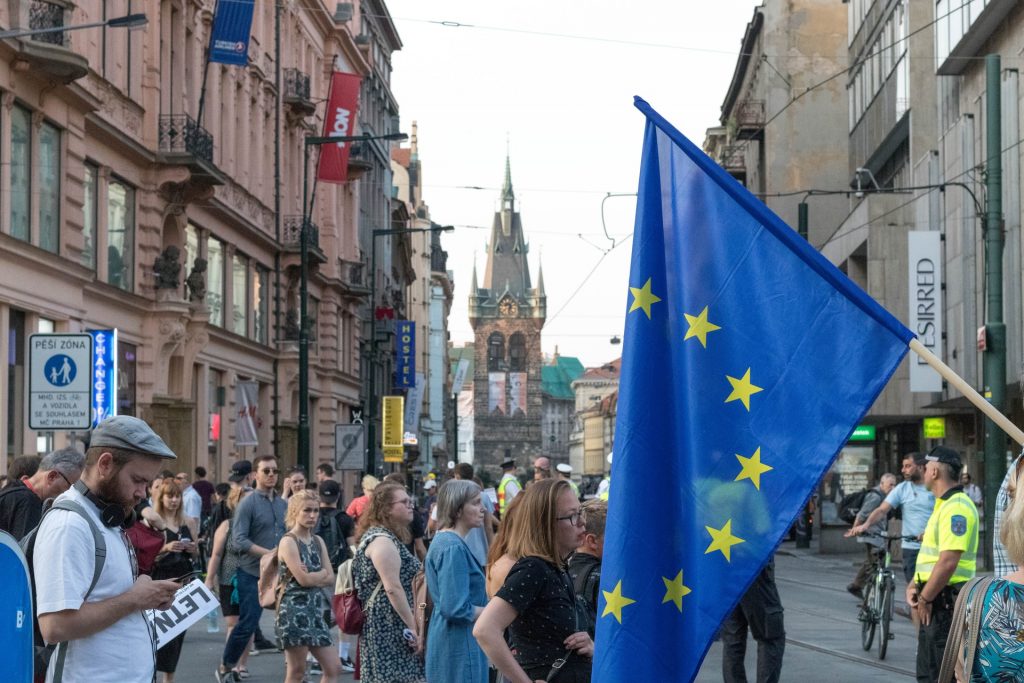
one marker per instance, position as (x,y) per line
(536,602)
(456,584)
(390,651)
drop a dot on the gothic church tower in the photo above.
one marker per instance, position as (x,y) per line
(507,314)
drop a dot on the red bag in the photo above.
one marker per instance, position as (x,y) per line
(347,608)
(147,542)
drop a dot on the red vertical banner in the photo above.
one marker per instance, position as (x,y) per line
(340,119)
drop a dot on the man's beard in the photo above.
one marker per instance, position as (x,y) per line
(108,492)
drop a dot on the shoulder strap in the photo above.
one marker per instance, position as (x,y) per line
(101,557)
(963,633)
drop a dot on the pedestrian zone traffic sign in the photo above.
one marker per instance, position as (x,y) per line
(59,381)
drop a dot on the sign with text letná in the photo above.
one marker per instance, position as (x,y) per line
(924,249)
(405,354)
(104,375)
(232,24)
(393,429)
(339,121)
(59,381)
(192,602)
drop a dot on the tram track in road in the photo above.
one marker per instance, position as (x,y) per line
(874,663)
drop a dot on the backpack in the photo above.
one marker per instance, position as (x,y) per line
(423,606)
(43,651)
(329,530)
(851,504)
(270,585)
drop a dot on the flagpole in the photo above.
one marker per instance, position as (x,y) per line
(968,391)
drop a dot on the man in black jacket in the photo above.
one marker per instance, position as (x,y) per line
(21,503)
(585,563)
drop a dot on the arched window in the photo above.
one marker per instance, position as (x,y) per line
(496,351)
(517,352)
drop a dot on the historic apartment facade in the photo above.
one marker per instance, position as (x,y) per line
(127,207)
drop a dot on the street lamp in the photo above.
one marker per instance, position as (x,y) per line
(371,391)
(307,209)
(129,21)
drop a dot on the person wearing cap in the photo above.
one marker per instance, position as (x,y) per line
(104,634)
(508,487)
(329,492)
(915,500)
(946,560)
(565,472)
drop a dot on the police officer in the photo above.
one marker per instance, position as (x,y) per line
(508,487)
(946,560)
(565,472)
(604,488)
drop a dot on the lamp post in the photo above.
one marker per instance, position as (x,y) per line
(129,21)
(371,390)
(307,209)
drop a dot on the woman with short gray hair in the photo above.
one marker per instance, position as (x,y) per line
(456,583)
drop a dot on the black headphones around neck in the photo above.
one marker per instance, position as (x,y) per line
(111,514)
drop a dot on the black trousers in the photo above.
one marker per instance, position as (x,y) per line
(760,611)
(931,639)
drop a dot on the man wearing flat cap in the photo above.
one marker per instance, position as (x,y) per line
(946,560)
(98,620)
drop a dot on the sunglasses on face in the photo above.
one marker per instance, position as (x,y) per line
(269,471)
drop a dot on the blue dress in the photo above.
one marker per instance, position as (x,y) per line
(456,584)
(1000,654)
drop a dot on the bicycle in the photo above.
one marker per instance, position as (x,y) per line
(877,609)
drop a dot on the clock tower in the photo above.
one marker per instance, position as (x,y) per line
(507,314)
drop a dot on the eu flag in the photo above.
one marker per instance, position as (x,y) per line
(748,361)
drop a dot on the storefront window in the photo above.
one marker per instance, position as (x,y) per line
(126,369)
(15,379)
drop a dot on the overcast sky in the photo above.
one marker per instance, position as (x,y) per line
(556,80)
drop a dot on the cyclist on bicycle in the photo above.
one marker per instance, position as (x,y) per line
(873,543)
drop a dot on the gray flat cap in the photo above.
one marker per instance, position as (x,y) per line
(131,434)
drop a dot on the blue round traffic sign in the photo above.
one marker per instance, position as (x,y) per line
(60,370)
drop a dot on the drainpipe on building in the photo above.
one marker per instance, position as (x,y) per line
(277,219)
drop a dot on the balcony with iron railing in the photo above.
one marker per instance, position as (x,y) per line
(183,141)
(291,238)
(296,92)
(360,159)
(48,55)
(353,278)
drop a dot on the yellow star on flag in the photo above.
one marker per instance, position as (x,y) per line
(753,468)
(742,389)
(723,540)
(675,590)
(699,327)
(643,299)
(615,601)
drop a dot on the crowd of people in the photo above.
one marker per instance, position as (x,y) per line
(512,579)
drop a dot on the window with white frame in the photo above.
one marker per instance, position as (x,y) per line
(120,235)
(239,295)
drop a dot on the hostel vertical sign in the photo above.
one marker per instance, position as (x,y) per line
(405,354)
(104,375)
(924,249)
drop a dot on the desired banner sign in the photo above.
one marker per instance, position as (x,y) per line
(340,120)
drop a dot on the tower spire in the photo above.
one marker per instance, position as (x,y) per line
(507,195)
(540,277)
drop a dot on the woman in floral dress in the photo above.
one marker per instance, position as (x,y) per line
(390,651)
(301,623)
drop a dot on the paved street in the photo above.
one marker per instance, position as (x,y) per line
(823,633)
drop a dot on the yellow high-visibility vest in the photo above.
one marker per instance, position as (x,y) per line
(503,499)
(952,526)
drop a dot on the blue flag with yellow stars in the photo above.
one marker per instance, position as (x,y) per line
(748,360)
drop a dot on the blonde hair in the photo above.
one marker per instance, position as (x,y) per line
(595,512)
(1011,533)
(235,496)
(170,488)
(378,513)
(295,505)
(534,533)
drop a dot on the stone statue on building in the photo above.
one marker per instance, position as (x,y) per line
(196,281)
(167,268)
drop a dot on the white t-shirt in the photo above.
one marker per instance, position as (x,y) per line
(63,562)
(192,504)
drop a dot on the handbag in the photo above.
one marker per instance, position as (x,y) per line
(347,608)
(270,584)
(962,643)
